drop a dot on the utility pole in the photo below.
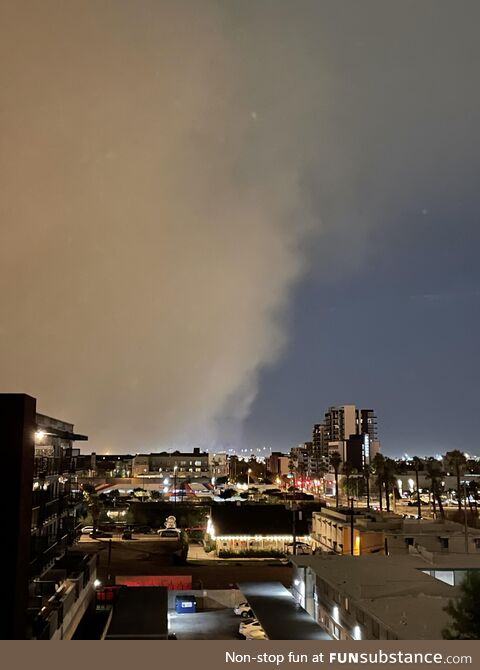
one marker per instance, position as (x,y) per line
(419,502)
(465,515)
(109,560)
(175,485)
(352,528)
(294,507)
(294,531)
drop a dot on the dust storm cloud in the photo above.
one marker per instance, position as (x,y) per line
(171,171)
(152,211)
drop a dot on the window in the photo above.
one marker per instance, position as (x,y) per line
(336,631)
(444,542)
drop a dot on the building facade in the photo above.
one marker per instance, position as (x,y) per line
(378,597)
(47,591)
(349,431)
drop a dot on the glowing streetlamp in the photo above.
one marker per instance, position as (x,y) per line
(175,468)
(248,476)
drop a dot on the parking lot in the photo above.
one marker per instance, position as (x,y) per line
(220,624)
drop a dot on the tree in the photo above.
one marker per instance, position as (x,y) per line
(417,464)
(465,611)
(366,475)
(378,465)
(94,505)
(434,474)
(347,471)
(389,469)
(354,486)
(335,460)
(456,460)
(301,473)
(473,492)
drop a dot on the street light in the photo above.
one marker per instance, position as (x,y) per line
(248,476)
(175,468)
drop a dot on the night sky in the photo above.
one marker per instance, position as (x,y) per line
(221,217)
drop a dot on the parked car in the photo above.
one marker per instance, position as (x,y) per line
(169,533)
(100,533)
(249,626)
(244,610)
(144,530)
(256,634)
(86,530)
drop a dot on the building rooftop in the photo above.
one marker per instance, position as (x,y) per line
(140,613)
(394,589)
(230,519)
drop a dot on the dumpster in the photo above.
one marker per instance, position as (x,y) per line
(185,604)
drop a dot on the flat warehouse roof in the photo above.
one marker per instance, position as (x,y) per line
(279,613)
(140,613)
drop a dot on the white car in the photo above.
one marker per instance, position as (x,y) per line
(86,530)
(244,610)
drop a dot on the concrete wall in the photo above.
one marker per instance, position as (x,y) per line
(210,598)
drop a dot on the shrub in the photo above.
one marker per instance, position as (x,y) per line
(251,553)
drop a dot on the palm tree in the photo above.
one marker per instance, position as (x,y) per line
(347,471)
(335,460)
(473,493)
(354,487)
(366,475)
(456,460)
(417,464)
(434,473)
(378,465)
(389,480)
(94,505)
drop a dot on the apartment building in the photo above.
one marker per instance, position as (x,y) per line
(350,431)
(40,523)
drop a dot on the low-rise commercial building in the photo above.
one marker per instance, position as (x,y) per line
(194,464)
(338,531)
(399,597)
(345,532)
(256,528)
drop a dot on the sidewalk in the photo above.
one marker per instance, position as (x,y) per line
(196,552)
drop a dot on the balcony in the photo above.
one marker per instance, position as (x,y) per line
(61,596)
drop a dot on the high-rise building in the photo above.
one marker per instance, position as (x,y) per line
(341,424)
